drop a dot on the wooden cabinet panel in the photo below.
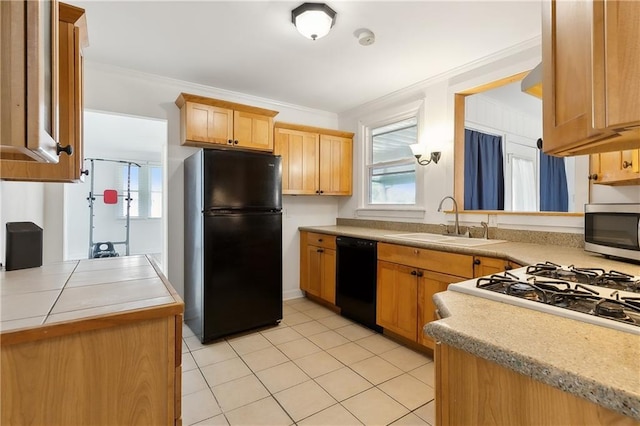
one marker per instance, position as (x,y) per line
(318,265)
(314,160)
(314,271)
(72,34)
(321,240)
(432,260)
(300,155)
(591,74)
(397,292)
(429,284)
(328,281)
(473,391)
(617,61)
(489,265)
(253,131)
(208,122)
(336,165)
(616,168)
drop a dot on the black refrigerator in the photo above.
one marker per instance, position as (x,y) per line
(233,242)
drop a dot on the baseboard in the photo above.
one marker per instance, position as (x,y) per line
(292,294)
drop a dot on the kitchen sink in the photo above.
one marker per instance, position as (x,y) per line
(445,239)
(421,236)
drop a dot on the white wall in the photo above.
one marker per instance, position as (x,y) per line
(21,202)
(438,96)
(116,90)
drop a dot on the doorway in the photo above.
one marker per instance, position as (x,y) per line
(113,142)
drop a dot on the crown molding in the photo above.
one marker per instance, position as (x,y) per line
(516,49)
(182,85)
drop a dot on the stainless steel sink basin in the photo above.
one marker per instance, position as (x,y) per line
(445,239)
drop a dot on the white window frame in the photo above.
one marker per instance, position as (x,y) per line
(386,117)
(143,192)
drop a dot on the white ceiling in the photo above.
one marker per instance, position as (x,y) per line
(253,48)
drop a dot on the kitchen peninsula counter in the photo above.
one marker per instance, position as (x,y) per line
(596,363)
(95,341)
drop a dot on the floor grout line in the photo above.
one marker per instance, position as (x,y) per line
(283,326)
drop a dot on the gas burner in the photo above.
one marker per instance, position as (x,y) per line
(525,291)
(612,309)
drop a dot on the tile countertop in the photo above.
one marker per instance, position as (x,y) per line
(593,362)
(76,290)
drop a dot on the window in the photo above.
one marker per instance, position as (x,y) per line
(392,166)
(146,191)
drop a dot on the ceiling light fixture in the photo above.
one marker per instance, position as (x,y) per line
(417,150)
(313,20)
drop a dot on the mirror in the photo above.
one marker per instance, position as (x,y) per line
(500,111)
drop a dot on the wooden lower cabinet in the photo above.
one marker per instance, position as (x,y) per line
(408,277)
(128,372)
(483,266)
(397,294)
(473,391)
(430,283)
(318,265)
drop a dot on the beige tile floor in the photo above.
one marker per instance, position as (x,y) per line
(315,368)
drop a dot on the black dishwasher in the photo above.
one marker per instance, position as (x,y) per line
(356,280)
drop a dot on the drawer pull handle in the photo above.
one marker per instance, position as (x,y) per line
(414,273)
(626,164)
(420,274)
(476,261)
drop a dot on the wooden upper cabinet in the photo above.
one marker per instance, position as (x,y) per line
(29,81)
(253,131)
(314,160)
(299,151)
(72,33)
(591,76)
(207,123)
(336,165)
(616,168)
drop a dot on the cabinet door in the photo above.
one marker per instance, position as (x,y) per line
(430,283)
(616,62)
(70,72)
(336,165)
(567,75)
(253,131)
(396,299)
(328,280)
(616,168)
(299,151)
(314,269)
(488,265)
(206,123)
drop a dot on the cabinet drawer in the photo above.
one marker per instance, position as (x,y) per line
(460,265)
(321,240)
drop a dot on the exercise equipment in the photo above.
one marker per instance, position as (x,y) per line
(109,196)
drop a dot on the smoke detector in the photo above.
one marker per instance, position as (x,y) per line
(365,37)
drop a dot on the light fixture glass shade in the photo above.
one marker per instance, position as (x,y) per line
(313,20)
(417,149)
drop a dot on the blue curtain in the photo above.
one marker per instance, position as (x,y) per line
(554,196)
(483,171)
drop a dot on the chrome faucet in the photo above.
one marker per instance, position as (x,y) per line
(455,208)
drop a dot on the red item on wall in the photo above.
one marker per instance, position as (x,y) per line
(110,196)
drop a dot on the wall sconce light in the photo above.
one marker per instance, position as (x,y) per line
(313,20)
(417,148)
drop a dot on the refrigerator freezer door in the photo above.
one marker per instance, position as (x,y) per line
(241,180)
(242,285)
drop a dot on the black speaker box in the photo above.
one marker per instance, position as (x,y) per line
(24,245)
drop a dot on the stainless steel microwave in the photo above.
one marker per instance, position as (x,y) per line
(613,230)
